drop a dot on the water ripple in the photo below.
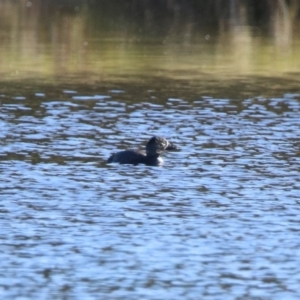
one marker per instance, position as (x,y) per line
(221,216)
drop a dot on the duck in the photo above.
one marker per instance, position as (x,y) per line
(151,157)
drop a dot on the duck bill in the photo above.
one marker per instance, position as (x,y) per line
(172,147)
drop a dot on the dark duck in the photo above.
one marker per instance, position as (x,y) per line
(152,157)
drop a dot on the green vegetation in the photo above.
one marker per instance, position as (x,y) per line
(122,40)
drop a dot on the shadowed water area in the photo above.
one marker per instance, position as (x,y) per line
(219,220)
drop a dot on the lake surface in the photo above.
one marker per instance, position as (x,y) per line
(219,220)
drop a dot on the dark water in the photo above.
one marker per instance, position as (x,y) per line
(219,220)
(221,217)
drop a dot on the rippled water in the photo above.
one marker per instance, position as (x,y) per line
(220,219)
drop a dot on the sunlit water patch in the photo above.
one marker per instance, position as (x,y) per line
(221,217)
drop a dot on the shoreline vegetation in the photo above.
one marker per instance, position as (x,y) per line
(123,39)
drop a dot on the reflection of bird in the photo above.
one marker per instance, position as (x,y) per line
(154,148)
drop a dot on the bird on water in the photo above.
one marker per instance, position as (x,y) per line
(151,157)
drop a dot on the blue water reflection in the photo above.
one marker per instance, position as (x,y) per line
(219,218)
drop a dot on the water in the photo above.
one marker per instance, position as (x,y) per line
(220,218)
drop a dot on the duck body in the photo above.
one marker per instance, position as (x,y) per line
(154,148)
(134,157)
